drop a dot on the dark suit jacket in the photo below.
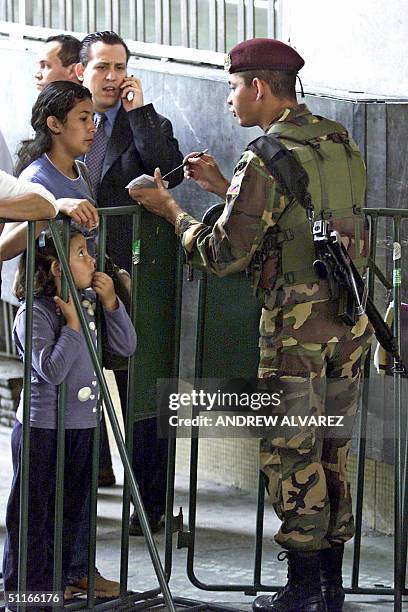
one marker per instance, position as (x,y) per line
(141,141)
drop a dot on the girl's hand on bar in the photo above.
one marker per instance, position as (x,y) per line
(69,311)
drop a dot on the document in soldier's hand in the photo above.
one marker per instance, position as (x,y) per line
(144,180)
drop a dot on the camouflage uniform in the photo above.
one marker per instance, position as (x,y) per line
(303,340)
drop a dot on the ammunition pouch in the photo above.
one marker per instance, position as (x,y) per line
(314,165)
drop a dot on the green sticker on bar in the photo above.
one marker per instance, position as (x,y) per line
(136,252)
(396,277)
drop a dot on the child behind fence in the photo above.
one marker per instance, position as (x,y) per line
(59,354)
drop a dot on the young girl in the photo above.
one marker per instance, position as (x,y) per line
(62,118)
(58,354)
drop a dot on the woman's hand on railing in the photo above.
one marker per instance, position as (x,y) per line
(81,211)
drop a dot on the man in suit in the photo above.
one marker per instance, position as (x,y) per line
(131,139)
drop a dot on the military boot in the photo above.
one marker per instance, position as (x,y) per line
(302,592)
(331,561)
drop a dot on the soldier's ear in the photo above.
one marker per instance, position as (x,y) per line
(260,87)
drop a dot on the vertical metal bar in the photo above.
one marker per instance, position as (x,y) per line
(193,10)
(90,595)
(362,431)
(221,38)
(158,21)
(404,510)
(398,579)
(141,25)
(59,469)
(129,425)
(171,455)
(250,29)
(116,21)
(154,555)
(404,506)
(192,505)
(167,22)
(47,13)
(271,18)
(9,10)
(7,326)
(132,19)
(13,345)
(69,15)
(96,436)
(91,16)
(361,456)
(62,14)
(241,21)
(22,17)
(198,372)
(108,14)
(84,20)
(184,23)
(278,10)
(25,12)
(8,316)
(212,24)
(259,530)
(25,443)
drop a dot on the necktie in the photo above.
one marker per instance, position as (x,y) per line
(94,158)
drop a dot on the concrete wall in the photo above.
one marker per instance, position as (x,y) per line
(356,46)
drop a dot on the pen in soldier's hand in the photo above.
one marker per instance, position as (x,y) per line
(181,165)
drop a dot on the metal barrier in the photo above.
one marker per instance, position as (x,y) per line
(214,25)
(126,598)
(174,524)
(8,316)
(187,539)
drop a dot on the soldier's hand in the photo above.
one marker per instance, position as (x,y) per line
(205,171)
(158,201)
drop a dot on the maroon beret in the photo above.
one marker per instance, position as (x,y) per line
(263,54)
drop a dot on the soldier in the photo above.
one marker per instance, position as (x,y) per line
(303,336)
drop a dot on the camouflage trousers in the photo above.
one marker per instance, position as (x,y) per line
(319,361)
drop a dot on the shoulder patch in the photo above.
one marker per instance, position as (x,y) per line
(235,186)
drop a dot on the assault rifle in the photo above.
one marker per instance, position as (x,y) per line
(334,262)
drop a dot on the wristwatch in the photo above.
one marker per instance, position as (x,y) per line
(177,224)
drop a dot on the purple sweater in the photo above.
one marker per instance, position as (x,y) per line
(60,354)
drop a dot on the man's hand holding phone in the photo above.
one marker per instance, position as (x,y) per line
(132,93)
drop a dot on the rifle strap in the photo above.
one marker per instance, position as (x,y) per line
(284,167)
(381,277)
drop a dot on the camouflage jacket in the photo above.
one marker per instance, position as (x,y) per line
(254,203)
